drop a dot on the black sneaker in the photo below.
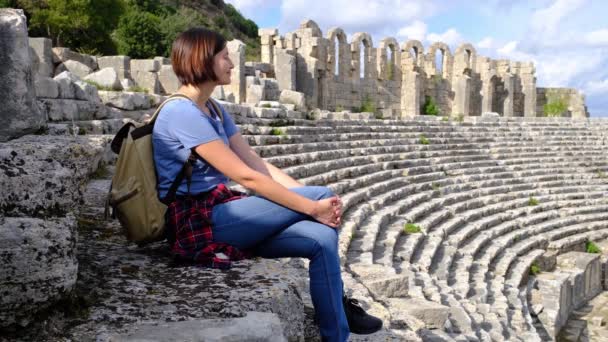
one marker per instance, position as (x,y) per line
(359,321)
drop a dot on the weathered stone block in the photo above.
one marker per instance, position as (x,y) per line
(147,80)
(150,65)
(255,326)
(47,87)
(62,54)
(38,263)
(43,175)
(169,83)
(43,55)
(296,98)
(20,113)
(255,94)
(106,77)
(120,64)
(285,70)
(76,68)
(66,109)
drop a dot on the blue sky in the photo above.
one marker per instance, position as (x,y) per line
(566,39)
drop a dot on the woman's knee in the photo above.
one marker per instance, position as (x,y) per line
(326,238)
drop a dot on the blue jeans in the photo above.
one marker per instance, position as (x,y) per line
(273,231)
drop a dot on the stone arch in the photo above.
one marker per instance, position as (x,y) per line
(337,51)
(416,47)
(361,59)
(311,24)
(467,55)
(447,55)
(388,66)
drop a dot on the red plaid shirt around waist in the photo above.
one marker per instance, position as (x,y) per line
(188,228)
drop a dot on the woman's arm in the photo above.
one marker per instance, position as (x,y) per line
(242,149)
(221,157)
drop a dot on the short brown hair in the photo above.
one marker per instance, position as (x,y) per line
(192,55)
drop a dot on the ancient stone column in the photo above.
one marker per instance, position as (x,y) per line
(509,80)
(528,88)
(236,51)
(267,40)
(410,94)
(462,89)
(19,113)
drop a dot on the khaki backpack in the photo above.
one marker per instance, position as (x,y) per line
(133,193)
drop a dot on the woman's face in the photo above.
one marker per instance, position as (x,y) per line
(222,65)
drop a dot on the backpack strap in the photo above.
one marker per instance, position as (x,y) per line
(217,109)
(186,171)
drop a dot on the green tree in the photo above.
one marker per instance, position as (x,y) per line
(174,24)
(79,24)
(139,35)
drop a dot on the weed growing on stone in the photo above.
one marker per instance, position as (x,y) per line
(276,131)
(532,201)
(311,115)
(411,228)
(424,140)
(138,89)
(102,172)
(435,186)
(266,105)
(445,119)
(591,247)
(339,108)
(367,105)
(99,86)
(601,174)
(534,269)
(280,123)
(460,118)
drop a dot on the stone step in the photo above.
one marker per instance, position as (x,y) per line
(424,209)
(473,255)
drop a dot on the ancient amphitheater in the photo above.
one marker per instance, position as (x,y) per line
(459,227)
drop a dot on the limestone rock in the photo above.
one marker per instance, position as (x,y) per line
(106,77)
(169,83)
(147,80)
(118,99)
(79,69)
(38,265)
(20,113)
(62,54)
(127,84)
(285,70)
(47,87)
(296,98)
(44,175)
(120,64)
(255,94)
(255,326)
(68,109)
(150,65)
(43,55)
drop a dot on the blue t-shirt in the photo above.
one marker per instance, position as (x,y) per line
(180,126)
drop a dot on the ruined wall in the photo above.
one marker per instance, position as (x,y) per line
(572,98)
(336,73)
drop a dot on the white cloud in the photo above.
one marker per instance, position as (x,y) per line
(416,30)
(597,38)
(509,49)
(596,87)
(547,20)
(450,37)
(379,18)
(486,43)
